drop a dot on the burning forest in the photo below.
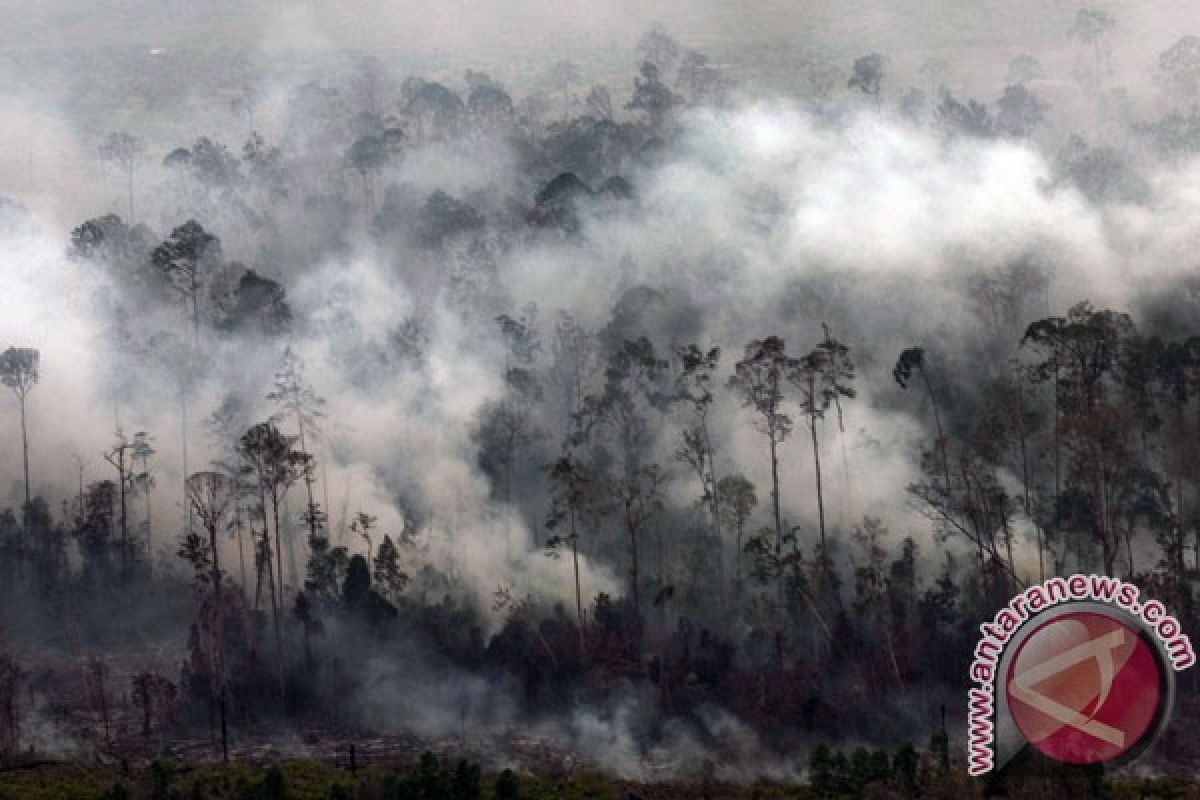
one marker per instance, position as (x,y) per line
(651,400)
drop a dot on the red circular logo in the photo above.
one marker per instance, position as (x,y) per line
(1084,687)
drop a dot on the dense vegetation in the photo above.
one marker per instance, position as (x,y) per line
(442,410)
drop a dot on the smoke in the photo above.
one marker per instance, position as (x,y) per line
(765,216)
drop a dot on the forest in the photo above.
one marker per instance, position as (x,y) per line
(664,428)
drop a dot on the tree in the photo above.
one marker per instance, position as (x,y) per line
(836,376)
(367,156)
(1020,112)
(657,47)
(490,107)
(19,372)
(564,74)
(699,79)
(569,500)
(599,103)
(575,360)
(433,109)
(294,397)
(820,377)
(275,466)
(1179,67)
(210,495)
(1174,372)
(867,76)
(507,787)
(1091,27)
(1023,69)
(910,361)
(759,378)
(969,119)
(257,304)
(122,150)
(640,498)
(141,451)
(737,501)
(363,524)
(822,777)
(508,424)
(122,456)
(386,572)
(693,386)
(187,259)
(651,95)
(1080,354)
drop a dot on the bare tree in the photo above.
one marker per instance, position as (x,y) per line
(121,456)
(19,372)
(210,495)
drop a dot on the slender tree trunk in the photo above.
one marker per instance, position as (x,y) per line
(715,511)
(220,640)
(737,559)
(183,435)
(146,471)
(1179,514)
(634,572)
(195,292)
(820,495)
(578,591)
(124,519)
(1057,442)
(293,568)
(308,479)
(1037,525)
(237,526)
(274,609)
(130,176)
(278,549)
(258,573)
(103,703)
(937,423)
(25,461)
(775,493)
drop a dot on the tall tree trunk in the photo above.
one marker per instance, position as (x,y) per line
(634,571)
(146,471)
(937,423)
(775,493)
(220,641)
(124,518)
(274,611)
(183,436)
(308,478)
(278,549)
(237,526)
(578,591)
(130,176)
(1029,512)
(812,427)
(715,511)
(25,461)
